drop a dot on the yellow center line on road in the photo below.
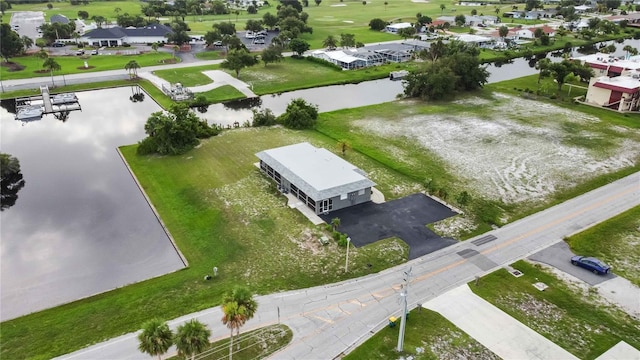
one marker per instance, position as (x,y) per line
(395,287)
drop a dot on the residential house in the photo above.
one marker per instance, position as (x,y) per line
(529,33)
(394,28)
(320,179)
(620,93)
(609,65)
(118,36)
(477,40)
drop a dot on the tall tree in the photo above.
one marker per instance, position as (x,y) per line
(269,20)
(51,65)
(191,338)
(132,67)
(407,32)
(347,40)
(238,307)
(156,338)
(237,60)
(271,54)
(330,42)
(27,42)
(299,46)
(503,31)
(10,42)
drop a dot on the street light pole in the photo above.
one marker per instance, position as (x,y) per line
(346,264)
(403,321)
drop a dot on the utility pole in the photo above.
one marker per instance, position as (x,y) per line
(403,298)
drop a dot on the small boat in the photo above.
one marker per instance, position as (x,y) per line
(63,99)
(30,112)
(398,75)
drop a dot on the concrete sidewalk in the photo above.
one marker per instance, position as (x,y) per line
(219,78)
(493,328)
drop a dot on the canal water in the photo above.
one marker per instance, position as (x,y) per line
(80,225)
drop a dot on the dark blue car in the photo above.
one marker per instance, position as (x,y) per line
(591,264)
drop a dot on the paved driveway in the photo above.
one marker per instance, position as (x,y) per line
(559,256)
(405,218)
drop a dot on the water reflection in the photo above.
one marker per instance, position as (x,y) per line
(11,180)
(82,226)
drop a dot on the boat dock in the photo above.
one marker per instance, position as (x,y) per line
(34,107)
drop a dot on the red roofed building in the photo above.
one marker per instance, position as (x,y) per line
(620,93)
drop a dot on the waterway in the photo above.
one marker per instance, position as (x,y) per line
(80,225)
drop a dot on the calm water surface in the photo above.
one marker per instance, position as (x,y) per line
(80,225)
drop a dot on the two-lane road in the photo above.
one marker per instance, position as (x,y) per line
(329,320)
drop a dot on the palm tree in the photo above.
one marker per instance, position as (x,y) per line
(442,7)
(630,50)
(52,65)
(155,46)
(27,42)
(238,307)
(132,67)
(330,42)
(175,50)
(155,338)
(192,338)
(42,55)
(335,222)
(385,4)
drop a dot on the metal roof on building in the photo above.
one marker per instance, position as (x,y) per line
(318,172)
(118,32)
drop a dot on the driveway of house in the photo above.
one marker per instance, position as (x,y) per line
(493,328)
(618,290)
(406,218)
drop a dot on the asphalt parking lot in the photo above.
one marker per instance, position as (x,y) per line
(406,218)
(559,256)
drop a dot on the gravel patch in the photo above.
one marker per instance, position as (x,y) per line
(454,345)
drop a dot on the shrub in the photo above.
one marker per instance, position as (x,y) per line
(463,198)
(263,118)
(323,62)
(299,115)
(147,146)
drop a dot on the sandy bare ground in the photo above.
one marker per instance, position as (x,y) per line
(521,152)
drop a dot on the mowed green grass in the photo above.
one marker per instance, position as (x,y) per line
(75,64)
(428,335)
(221,212)
(94,8)
(615,241)
(294,74)
(575,321)
(186,76)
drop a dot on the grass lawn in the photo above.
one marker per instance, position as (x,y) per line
(287,75)
(428,335)
(221,211)
(615,241)
(254,344)
(186,76)
(75,64)
(572,319)
(222,94)
(104,8)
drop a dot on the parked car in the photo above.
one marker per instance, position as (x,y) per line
(94,52)
(57,44)
(80,52)
(259,40)
(217,43)
(591,264)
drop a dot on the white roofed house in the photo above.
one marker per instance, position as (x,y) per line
(319,178)
(620,93)
(344,59)
(394,28)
